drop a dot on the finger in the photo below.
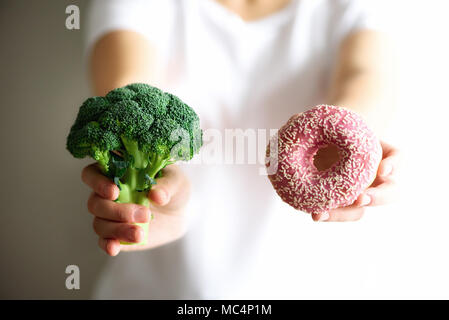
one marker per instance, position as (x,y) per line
(110,246)
(388,150)
(362,200)
(166,186)
(386,192)
(116,230)
(323,216)
(350,213)
(92,176)
(390,157)
(118,212)
(387,166)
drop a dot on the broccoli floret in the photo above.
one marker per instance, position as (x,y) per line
(133,133)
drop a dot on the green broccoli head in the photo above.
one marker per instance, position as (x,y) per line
(91,140)
(139,125)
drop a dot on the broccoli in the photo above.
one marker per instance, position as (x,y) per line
(133,133)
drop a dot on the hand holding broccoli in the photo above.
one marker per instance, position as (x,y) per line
(133,133)
(115,222)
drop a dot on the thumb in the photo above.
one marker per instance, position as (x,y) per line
(167,186)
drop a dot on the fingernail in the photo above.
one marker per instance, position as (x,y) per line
(115,193)
(366,200)
(386,170)
(162,195)
(324,216)
(141,215)
(132,235)
(112,250)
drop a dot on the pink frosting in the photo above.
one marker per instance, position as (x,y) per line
(299,183)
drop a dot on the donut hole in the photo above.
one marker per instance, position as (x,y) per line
(326,157)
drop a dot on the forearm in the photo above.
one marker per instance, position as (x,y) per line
(120,58)
(364,79)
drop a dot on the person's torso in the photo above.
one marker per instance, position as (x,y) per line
(236,75)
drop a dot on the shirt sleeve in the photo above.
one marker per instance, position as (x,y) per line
(147,17)
(356,15)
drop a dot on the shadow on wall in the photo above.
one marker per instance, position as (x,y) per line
(45,224)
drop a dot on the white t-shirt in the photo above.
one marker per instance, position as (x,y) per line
(243,242)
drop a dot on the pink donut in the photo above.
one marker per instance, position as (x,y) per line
(299,183)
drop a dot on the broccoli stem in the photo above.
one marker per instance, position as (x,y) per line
(129,185)
(157,163)
(132,184)
(139,158)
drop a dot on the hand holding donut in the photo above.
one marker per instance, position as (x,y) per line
(382,191)
(330,164)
